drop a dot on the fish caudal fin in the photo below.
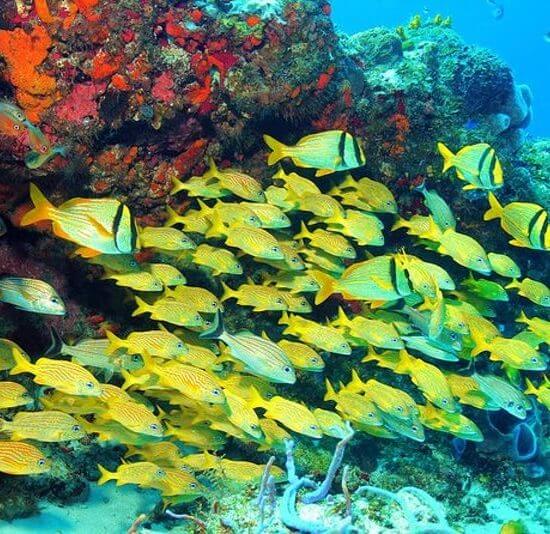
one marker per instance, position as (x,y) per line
(327,286)
(255,400)
(173,217)
(115,342)
(143,307)
(228,293)
(105,475)
(56,344)
(42,208)
(448,157)
(278,149)
(217,329)
(212,171)
(330,394)
(304,232)
(514,284)
(530,390)
(21,364)
(495,211)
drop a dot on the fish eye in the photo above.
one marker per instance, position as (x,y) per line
(313,427)
(275,249)
(160,473)
(534,359)
(414,428)
(510,404)
(154,426)
(216,392)
(179,345)
(294,260)
(453,336)
(394,339)
(26,395)
(314,360)
(287,369)
(344,346)
(520,408)
(133,263)
(89,385)
(44,149)
(197,317)
(479,259)
(400,409)
(371,415)
(444,401)
(254,426)
(279,301)
(136,358)
(192,485)
(16,127)
(55,300)
(41,462)
(76,428)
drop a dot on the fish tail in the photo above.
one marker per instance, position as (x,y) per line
(514,284)
(530,390)
(448,157)
(481,346)
(342,319)
(21,364)
(143,307)
(56,344)
(204,208)
(228,293)
(115,342)
(217,228)
(330,394)
(405,361)
(177,186)
(422,187)
(217,329)
(348,182)
(522,317)
(129,379)
(356,383)
(42,207)
(278,149)
(105,475)
(327,287)
(285,319)
(255,399)
(172,217)
(304,232)
(371,355)
(212,171)
(400,223)
(495,211)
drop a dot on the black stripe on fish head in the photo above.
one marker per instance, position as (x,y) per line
(359,158)
(532,225)
(542,236)
(393,272)
(492,166)
(484,156)
(116,222)
(134,233)
(342,147)
(533,222)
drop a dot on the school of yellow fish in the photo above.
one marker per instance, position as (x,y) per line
(191,383)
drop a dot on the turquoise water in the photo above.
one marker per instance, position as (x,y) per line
(518,37)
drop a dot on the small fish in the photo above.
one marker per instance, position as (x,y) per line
(242,385)
(13,121)
(318,261)
(111,431)
(192,221)
(99,225)
(452,423)
(420,277)
(18,458)
(197,186)
(302,356)
(200,437)
(418,225)
(274,436)
(364,228)
(468,392)
(170,311)
(527,223)
(47,426)
(165,452)
(296,303)
(256,242)
(246,472)
(542,392)
(294,282)
(261,298)
(504,265)
(201,357)
(144,474)
(134,416)
(440,210)
(319,336)
(410,428)
(278,196)
(331,423)
(506,396)
(513,352)
(378,197)
(181,484)
(297,184)
(138,281)
(160,343)
(28,294)
(540,327)
(486,289)
(270,216)
(321,205)
(197,298)
(329,242)
(260,356)
(13,394)
(67,377)
(242,415)
(430,348)
(167,274)
(120,263)
(329,152)
(35,160)
(228,214)
(163,238)
(354,407)
(236,182)
(293,415)
(476,164)
(533,290)
(465,250)
(376,279)
(221,261)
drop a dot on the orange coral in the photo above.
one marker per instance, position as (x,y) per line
(104,65)
(23,53)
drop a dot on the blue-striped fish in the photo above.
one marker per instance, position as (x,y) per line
(31,295)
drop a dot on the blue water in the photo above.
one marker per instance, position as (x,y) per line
(518,37)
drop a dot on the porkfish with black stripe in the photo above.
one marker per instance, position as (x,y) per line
(98,225)
(476,164)
(328,152)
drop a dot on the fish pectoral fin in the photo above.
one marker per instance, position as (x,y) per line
(324,172)
(101,230)
(383,284)
(86,252)
(469,187)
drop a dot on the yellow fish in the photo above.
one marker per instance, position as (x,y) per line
(452,423)
(111,431)
(274,436)
(378,197)
(364,228)
(440,210)
(166,273)
(294,282)
(315,334)
(67,377)
(182,484)
(120,263)
(228,214)
(506,396)
(418,225)
(247,472)
(299,185)
(260,356)
(192,220)
(17,458)
(261,298)
(201,357)
(476,164)
(99,225)
(321,205)
(31,295)
(134,416)
(197,298)
(170,311)
(144,474)
(221,261)
(296,303)
(242,385)
(293,415)
(164,452)
(329,242)
(504,265)
(278,196)
(13,394)
(6,354)
(163,238)
(468,391)
(242,415)
(353,407)
(160,343)
(255,242)
(410,428)
(48,426)
(377,279)
(201,438)
(533,290)
(513,352)
(542,392)
(331,423)
(138,281)
(329,152)
(198,186)
(465,250)
(302,356)
(270,216)
(538,326)
(527,223)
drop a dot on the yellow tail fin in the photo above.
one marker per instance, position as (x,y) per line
(42,208)
(531,389)
(495,211)
(327,284)
(178,186)
(514,284)
(277,147)
(22,365)
(173,217)
(330,394)
(522,318)
(105,475)
(115,342)
(228,293)
(212,171)
(255,400)
(143,307)
(448,157)
(304,232)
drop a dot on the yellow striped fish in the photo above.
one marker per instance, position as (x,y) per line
(13,394)
(28,294)
(22,459)
(48,426)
